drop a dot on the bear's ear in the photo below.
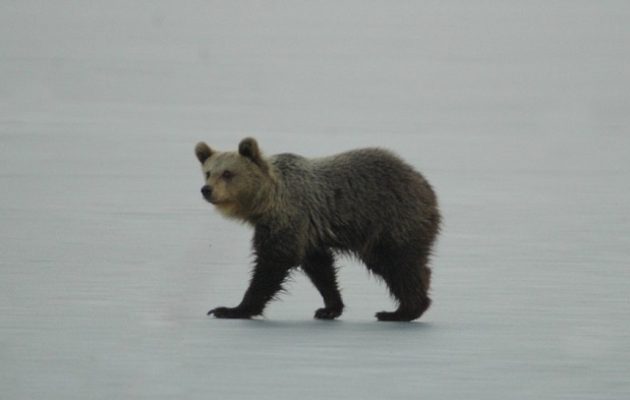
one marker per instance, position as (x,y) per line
(203,152)
(249,148)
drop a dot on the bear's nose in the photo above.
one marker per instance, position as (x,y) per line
(206,191)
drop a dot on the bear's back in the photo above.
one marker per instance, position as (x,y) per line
(357,192)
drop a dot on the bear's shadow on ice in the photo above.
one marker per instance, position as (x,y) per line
(366,326)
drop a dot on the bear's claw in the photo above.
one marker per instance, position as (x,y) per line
(226,312)
(396,316)
(391,316)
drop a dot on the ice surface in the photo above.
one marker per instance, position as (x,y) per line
(518,113)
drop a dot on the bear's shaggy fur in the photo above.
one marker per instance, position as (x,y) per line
(367,202)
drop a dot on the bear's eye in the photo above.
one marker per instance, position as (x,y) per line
(227,175)
(208,175)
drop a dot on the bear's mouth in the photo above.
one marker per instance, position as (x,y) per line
(219,203)
(214,201)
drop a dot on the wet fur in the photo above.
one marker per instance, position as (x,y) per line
(367,202)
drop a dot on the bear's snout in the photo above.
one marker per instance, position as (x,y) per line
(206,191)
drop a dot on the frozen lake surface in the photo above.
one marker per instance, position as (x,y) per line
(517,112)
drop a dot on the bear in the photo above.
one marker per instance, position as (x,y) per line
(366,203)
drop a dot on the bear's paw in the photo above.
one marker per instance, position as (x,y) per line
(226,312)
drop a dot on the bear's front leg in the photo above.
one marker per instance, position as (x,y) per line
(267,279)
(276,254)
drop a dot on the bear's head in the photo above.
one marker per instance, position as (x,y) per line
(239,183)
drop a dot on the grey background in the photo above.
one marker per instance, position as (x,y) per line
(517,112)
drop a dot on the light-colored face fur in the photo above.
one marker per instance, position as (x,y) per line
(236,183)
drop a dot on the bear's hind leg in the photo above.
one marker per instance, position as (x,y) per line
(319,267)
(408,278)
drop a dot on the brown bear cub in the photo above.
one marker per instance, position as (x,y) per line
(367,203)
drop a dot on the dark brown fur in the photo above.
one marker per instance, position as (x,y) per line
(366,202)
